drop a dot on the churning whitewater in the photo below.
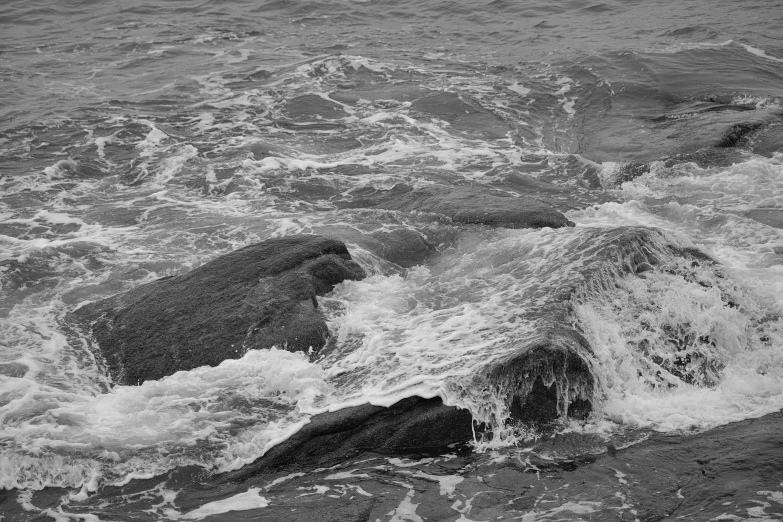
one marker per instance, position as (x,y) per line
(463,237)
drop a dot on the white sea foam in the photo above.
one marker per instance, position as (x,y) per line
(519,89)
(425,331)
(637,392)
(711,209)
(566,509)
(185,410)
(152,141)
(240,502)
(406,510)
(711,205)
(428,332)
(761,52)
(688,46)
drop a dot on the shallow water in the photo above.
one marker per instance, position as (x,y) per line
(142,141)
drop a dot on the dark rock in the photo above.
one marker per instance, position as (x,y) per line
(549,380)
(713,467)
(629,172)
(707,157)
(256,297)
(719,474)
(260,74)
(469,205)
(404,247)
(540,404)
(704,158)
(413,425)
(690,110)
(356,511)
(729,107)
(733,136)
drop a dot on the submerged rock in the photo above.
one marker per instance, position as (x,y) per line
(256,297)
(403,247)
(720,156)
(638,130)
(469,205)
(736,133)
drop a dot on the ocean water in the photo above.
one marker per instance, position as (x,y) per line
(142,139)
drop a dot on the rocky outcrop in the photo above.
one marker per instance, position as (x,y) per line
(413,425)
(736,134)
(549,380)
(256,297)
(265,294)
(720,474)
(468,205)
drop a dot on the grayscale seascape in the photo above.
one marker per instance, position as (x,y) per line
(369,260)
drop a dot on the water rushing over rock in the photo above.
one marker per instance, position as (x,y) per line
(467,258)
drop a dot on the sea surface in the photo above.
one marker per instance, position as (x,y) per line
(140,139)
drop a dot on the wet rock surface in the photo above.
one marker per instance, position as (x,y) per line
(557,381)
(729,473)
(468,205)
(256,297)
(403,247)
(413,425)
